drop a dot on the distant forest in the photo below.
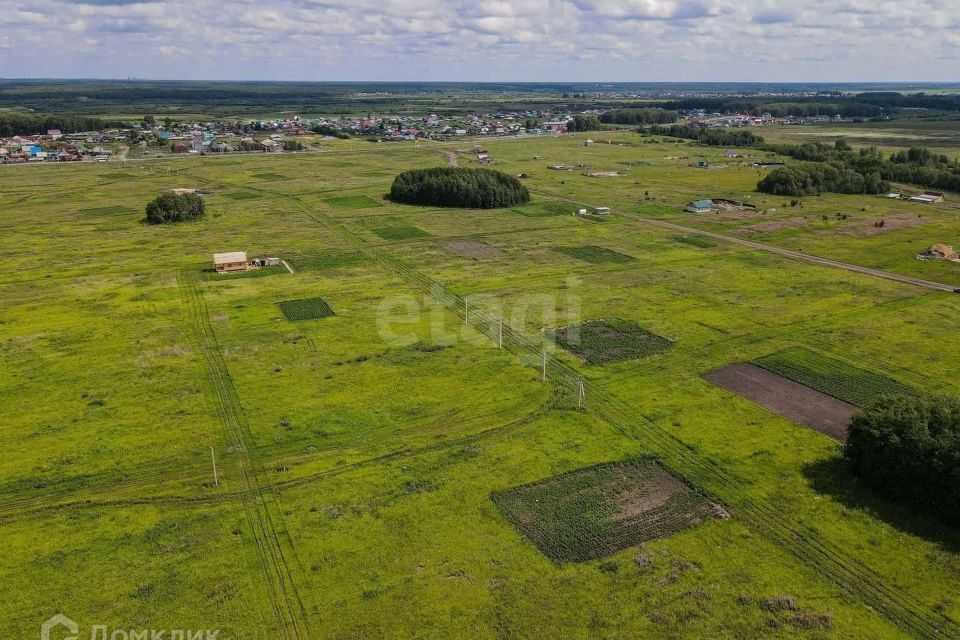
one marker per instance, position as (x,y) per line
(13,124)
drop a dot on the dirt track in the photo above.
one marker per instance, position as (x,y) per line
(787,398)
(789,253)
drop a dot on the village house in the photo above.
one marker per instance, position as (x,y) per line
(699,206)
(928,197)
(230,262)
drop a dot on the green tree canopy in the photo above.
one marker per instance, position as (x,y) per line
(458,187)
(170,207)
(908,448)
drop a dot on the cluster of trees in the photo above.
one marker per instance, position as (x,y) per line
(844,170)
(170,207)
(639,116)
(712,137)
(908,448)
(458,187)
(583,122)
(326,130)
(813,178)
(16,124)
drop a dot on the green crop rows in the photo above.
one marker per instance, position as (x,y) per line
(353,202)
(832,377)
(594,512)
(603,341)
(262,272)
(595,255)
(401,232)
(306,309)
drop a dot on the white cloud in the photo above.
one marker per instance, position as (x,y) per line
(487,39)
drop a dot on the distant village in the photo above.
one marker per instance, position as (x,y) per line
(155,138)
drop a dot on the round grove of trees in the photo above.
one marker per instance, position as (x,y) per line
(471,188)
(908,448)
(172,207)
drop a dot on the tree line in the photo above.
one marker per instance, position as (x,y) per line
(472,188)
(707,136)
(639,116)
(27,124)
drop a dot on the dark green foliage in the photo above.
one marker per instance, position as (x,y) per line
(169,207)
(21,124)
(293,145)
(401,232)
(832,377)
(353,202)
(306,309)
(595,255)
(591,513)
(584,123)
(908,448)
(458,187)
(712,137)
(814,178)
(326,130)
(606,341)
(639,116)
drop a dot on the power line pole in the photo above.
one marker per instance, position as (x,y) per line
(501,333)
(544,365)
(580,393)
(216,480)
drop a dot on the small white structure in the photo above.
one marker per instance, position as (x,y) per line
(230,262)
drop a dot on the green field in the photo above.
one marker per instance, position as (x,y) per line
(420,463)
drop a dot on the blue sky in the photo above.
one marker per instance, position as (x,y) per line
(484,40)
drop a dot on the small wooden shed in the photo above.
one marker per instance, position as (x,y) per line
(230,262)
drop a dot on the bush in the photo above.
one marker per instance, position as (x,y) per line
(171,207)
(458,187)
(908,448)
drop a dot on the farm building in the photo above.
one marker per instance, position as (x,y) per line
(601,211)
(271,146)
(731,153)
(230,262)
(940,252)
(928,197)
(700,206)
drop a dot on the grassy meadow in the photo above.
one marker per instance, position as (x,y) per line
(361,413)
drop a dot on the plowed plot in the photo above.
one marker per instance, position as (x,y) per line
(474,250)
(787,398)
(591,513)
(604,341)
(306,309)
(595,255)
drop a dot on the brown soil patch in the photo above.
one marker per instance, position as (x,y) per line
(866,226)
(787,398)
(474,250)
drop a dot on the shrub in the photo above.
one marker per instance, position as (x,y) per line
(458,187)
(908,448)
(171,207)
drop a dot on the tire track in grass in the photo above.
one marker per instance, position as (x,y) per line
(288,609)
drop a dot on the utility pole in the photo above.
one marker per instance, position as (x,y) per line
(544,365)
(466,311)
(580,393)
(501,333)
(216,480)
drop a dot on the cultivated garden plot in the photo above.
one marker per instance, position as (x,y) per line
(594,512)
(305,309)
(787,398)
(595,255)
(606,341)
(832,377)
